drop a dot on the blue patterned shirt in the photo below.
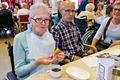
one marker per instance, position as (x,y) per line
(68,38)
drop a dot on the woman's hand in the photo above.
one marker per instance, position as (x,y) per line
(45,60)
(76,57)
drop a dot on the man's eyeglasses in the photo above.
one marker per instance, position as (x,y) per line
(115,9)
(68,10)
(41,20)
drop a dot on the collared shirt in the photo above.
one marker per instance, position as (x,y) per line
(68,38)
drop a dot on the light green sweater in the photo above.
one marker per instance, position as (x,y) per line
(23,65)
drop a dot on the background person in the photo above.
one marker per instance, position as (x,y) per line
(16,8)
(112,33)
(89,13)
(23,10)
(108,13)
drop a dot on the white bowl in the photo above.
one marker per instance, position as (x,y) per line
(56,74)
(77,73)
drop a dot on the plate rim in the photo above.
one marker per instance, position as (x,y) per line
(74,77)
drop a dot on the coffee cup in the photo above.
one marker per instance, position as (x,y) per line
(56,71)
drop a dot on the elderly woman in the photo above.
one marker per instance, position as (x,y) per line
(89,13)
(33,48)
(23,11)
(113,32)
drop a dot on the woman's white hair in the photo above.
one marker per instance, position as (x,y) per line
(24,5)
(37,6)
(89,7)
(5,3)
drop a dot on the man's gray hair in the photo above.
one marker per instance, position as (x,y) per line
(37,6)
(67,3)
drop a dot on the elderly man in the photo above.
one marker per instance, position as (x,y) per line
(112,34)
(66,34)
(33,48)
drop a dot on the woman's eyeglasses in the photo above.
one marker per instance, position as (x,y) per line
(41,20)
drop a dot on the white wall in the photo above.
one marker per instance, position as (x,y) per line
(37,1)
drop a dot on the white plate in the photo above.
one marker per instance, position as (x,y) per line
(115,52)
(77,73)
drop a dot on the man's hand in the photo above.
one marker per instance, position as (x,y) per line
(90,51)
(115,42)
(76,58)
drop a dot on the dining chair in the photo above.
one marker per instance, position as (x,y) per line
(11,75)
(81,23)
(23,21)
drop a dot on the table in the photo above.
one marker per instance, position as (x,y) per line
(78,63)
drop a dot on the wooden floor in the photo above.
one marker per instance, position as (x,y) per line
(5,65)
